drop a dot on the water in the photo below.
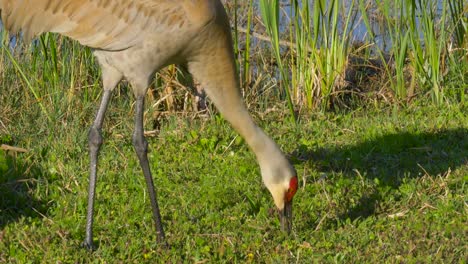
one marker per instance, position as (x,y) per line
(359,32)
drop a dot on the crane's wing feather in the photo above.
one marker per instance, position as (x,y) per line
(103,24)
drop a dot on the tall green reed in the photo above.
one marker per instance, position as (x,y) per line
(15,63)
(320,48)
(459,20)
(52,68)
(330,50)
(420,32)
(395,23)
(435,40)
(269,10)
(246,80)
(458,50)
(433,35)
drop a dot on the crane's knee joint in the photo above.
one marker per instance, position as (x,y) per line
(94,137)
(140,144)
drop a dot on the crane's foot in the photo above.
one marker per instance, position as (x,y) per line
(88,245)
(163,244)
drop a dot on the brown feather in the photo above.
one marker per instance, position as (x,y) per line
(102,24)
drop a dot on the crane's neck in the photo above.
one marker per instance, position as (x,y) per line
(267,151)
(261,144)
(216,71)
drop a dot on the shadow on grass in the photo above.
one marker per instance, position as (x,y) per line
(389,159)
(17,188)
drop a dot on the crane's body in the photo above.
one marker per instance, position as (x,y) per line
(133,40)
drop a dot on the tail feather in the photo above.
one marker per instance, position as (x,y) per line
(33,17)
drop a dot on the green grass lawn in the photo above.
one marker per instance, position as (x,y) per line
(375,185)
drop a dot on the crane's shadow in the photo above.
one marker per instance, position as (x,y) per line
(18,181)
(390,159)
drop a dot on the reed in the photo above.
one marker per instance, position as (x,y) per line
(331,40)
(246,77)
(458,50)
(270,13)
(435,43)
(393,20)
(421,34)
(46,67)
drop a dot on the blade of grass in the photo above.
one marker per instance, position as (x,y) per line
(26,81)
(269,10)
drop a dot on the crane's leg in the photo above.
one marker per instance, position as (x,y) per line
(110,78)
(141,148)
(95,142)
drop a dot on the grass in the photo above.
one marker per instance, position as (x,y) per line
(377,184)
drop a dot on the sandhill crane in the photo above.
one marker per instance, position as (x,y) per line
(133,39)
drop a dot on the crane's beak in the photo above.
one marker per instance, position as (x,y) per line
(285,217)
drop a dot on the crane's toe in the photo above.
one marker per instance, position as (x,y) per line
(88,245)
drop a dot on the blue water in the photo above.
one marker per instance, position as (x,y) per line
(358,32)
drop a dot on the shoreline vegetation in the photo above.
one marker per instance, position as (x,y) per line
(367,98)
(325,55)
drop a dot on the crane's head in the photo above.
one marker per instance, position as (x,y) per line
(281,180)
